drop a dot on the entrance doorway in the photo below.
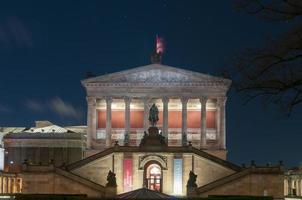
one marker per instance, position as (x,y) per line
(153,176)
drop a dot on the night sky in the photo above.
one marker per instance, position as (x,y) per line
(47,48)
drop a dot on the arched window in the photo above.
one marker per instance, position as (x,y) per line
(153,176)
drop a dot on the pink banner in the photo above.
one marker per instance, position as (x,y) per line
(127,174)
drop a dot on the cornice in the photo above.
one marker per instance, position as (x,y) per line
(161,84)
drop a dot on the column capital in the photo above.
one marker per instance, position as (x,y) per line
(127,99)
(221,101)
(91,101)
(108,100)
(184,100)
(165,100)
(145,99)
(203,100)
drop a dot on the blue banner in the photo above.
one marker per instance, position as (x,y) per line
(177,176)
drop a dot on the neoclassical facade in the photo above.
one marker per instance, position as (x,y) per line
(293,182)
(191,107)
(189,137)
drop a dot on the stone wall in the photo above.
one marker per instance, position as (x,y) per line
(209,171)
(119,171)
(254,184)
(53,183)
(15,156)
(222,154)
(97,170)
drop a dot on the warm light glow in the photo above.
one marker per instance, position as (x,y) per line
(154,177)
(155,170)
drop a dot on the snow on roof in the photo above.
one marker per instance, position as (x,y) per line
(12,129)
(48,129)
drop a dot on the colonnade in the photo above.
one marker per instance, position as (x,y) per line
(92,118)
(10,184)
(293,186)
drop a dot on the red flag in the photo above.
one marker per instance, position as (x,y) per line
(159,45)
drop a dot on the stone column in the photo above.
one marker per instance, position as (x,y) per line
(127,119)
(289,184)
(4,185)
(7,184)
(108,121)
(285,187)
(146,114)
(203,120)
(298,187)
(12,185)
(221,106)
(165,130)
(184,132)
(1,191)
(91,121)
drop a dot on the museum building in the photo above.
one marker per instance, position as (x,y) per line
(188,136)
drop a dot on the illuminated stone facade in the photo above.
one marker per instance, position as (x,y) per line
(189,136)
(293,182)
(191,107)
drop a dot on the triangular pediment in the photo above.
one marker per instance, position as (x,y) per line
(155,73)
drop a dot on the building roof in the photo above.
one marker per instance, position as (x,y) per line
(144,193)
